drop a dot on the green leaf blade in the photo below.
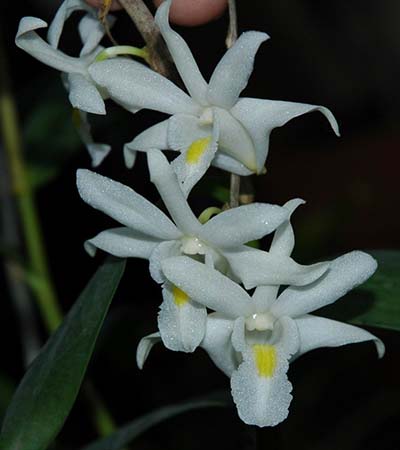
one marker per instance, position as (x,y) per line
(49,388)
(126,434)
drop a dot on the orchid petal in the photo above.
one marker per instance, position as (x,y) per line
(260,117)
(217,343)
(234,139)
(122,242)
(162,175)
(62,15)
(246,223)
(232,73)
(316,332)
(283,241)
(182,56)
(207,286)
(181,320)
(84,95)
(256,267)
(92,31)
(97,151)
(124,205)
(28,40)
(344,274)
(135,86)
(163,251)
(155,137)
(230,164)
(196,158)
(144,348)
(260,387)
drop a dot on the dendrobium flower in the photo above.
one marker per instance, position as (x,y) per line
(84,95)
(253,339)
(212,118)
(148,233)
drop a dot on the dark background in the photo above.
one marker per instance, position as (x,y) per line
(341,54)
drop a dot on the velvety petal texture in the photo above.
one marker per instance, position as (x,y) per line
(246,223)
(231,75)
(256,267)
(135,86)
(182,56)
(144,348)
(316,332)
(181,320)
(124,205)
(344,274)
(122,242)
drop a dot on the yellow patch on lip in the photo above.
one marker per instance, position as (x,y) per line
(196,150)
(265,359)
(180,297)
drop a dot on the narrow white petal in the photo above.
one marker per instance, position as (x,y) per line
(230,164)
(166,181)
(243,224)
(62,14)
(28,40)
(122,242)
(97,151)
(260,117)
(163,251)
(155,137)
(256,267)
(124,205)
(195,159)
(234,139)
(84,95)
(283,241)
(207,286)
(135,86)
(316,332)
(260,387)
(181,320)
(217,343)
(232,73)
(92,31)
(144,348)
(182,56)
(344,274)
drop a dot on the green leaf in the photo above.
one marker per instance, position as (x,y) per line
(129,432)
(49,388)
(376,303)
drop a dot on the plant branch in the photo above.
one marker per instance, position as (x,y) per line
(230,40)
(160,59)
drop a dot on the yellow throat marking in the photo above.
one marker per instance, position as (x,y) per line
(180,297)
(196,150)
(265,359)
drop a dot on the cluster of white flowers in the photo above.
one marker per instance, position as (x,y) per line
(200,264)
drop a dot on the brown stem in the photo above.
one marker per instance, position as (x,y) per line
(230,40)
(160,59)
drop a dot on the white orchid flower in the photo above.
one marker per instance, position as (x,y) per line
(212,118)
(84,95)
(253,339)
(148,233)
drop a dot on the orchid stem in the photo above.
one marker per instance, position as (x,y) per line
(141,16)
(38,273)
(230,40)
